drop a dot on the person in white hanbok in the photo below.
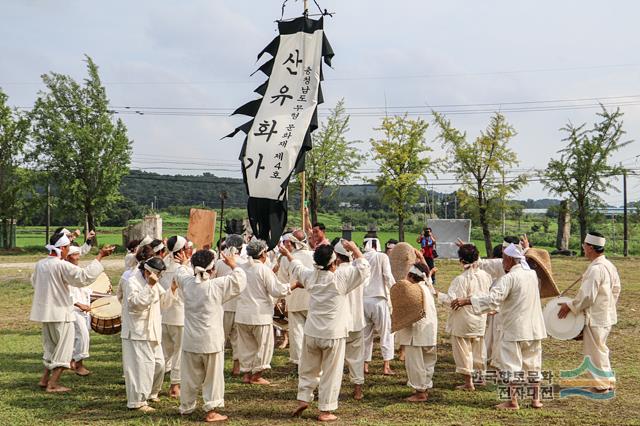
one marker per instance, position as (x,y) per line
(234,244)
(254,314)
(203,340)
(597,299)
(517,296)
(52,306)
(141,334)
(420,338)
(326,328)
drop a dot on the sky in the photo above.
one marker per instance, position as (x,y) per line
(542,64)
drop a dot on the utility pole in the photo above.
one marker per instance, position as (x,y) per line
(46,237)
(625,249)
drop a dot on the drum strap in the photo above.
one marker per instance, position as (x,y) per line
(571,286)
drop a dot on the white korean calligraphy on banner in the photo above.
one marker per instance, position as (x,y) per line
(280,125)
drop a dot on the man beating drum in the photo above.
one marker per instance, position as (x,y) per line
(597,298)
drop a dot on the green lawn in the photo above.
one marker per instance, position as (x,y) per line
(100,398)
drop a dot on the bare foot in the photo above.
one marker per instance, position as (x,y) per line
(508,405)
(418,397)
(285,342)
(536,404)
(466,387)
(246,378)
(43,384)
(174,391)
(301,407)
(146,409)
(57,388)
(366,368)
(154,399)
(357,392)
(259,381)
(326,417)
(389,372)
(236,368)
(212,416)
(72,365)
(81,371)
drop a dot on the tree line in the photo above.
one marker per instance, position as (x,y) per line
(71,147)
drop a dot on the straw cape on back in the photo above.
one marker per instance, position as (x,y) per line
(540,261)
(407,301)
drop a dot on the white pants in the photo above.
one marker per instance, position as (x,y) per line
(378,318)
(354,356)
(81,340)
(321,364)
(172,350)
(143,366)
(522,356)
(492,338)
(202,371)
(57,344)
(231,332)
(420,362)
(469,354)
(296,333)
(255,347)
(594,345)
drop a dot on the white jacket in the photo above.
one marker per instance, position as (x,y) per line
(141,317)
(328,315)
(381,278)
(222,269)
(598,294)
(172,303)
(203,330)
(298,300)
(517,296)
(51,279)
(256,302)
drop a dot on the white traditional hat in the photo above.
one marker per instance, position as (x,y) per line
(595,240)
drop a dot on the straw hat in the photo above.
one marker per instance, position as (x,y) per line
(402,257)
(407,301)
(540,261)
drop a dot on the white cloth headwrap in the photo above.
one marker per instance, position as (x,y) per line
(595,240)
(506,244)
(339,248)
(73,250)
(180,243)
(418,272)
(201,273)
(146,240)
(62,241)
(368,244)
(331,260)
(300,245)
(151,268)
(231,251)
(516,252)
(158,247)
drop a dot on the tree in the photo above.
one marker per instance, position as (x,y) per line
(333,159)
(583,171)
(401,161)
(84,151)
(14,134)
(479,166)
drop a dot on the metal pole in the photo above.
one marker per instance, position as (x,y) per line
(625,250)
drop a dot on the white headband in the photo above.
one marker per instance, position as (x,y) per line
(516,252)
(62,241)
(594,240)
(158,247)
(180,243)
(146,240)
(331,260)
(339,248)
(368,244)
(73,250)
(201,273)
(151,268)
(418,272)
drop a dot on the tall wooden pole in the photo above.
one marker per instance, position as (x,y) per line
(303,180)
(46,237)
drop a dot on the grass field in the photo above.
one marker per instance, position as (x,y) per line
(100,398)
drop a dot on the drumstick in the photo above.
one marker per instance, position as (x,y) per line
(99,306)
(571,286)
